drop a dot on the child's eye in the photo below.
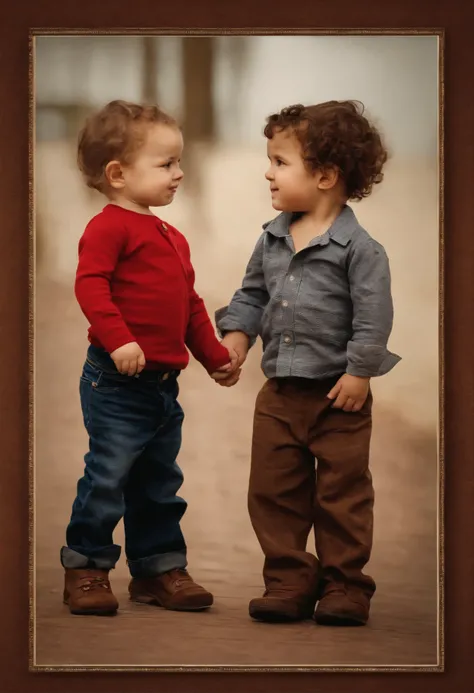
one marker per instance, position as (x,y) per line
(279,162)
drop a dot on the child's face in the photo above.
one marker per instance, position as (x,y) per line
(153,177)
(293,188)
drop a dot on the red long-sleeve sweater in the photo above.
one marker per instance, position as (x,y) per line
(135,283)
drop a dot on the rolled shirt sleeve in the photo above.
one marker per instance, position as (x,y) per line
(370,289)
(245,311)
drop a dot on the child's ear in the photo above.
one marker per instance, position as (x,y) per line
(328,178)
(114,175)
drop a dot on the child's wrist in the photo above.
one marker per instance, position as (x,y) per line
(236,337)
(360,377)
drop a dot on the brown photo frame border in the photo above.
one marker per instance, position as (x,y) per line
(439,33)
(458,289)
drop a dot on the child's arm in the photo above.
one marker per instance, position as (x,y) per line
(99,251)
(370,287)
(200,336)
(367,353)
(202,341)
(240,321)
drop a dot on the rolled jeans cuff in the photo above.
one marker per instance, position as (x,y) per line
(151,566)
(106,560)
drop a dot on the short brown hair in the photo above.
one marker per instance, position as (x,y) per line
(336,134)
(114,133)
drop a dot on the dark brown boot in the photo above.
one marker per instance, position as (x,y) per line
(175,590)
(341,605)
(280,607)
(88,592)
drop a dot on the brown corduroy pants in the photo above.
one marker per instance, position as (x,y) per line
(310,468)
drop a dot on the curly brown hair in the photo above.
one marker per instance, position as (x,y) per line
(115,132)
(336,134)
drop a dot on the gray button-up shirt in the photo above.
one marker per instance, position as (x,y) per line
(321,312)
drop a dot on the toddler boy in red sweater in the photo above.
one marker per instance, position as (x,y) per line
(135,285)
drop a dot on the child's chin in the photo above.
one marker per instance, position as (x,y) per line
(279,206)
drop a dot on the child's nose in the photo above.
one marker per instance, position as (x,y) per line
(269,174)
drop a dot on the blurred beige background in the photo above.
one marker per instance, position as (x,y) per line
(222,89)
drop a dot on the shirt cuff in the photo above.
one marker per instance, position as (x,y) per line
(369,360)
(225,324)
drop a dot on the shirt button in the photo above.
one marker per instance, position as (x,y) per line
(284,304)
(287,339)
(292,279)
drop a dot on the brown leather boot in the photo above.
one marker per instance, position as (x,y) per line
(342,605)
(280,606)
(88,592)
(175,590)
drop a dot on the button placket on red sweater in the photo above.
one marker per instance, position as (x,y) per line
(169,237)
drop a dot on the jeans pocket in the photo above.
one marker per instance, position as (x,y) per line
(107,383)
(103,381)
(90,374)
(85,392)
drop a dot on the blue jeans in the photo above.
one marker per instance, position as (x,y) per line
(134,426)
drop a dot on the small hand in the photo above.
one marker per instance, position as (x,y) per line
(349,393)
(234,359)
(237,342)
(129,359)
(226,379)
(229,374)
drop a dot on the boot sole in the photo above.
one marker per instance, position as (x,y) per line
(92,612)
(273,616)
(153,601)
(96,612)
(339,620)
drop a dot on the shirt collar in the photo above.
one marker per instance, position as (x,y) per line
(340,231)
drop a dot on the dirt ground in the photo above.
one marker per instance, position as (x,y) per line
(223,552)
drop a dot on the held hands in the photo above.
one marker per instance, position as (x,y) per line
(129,359)
(237,344)
(349,393)
(228,375)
